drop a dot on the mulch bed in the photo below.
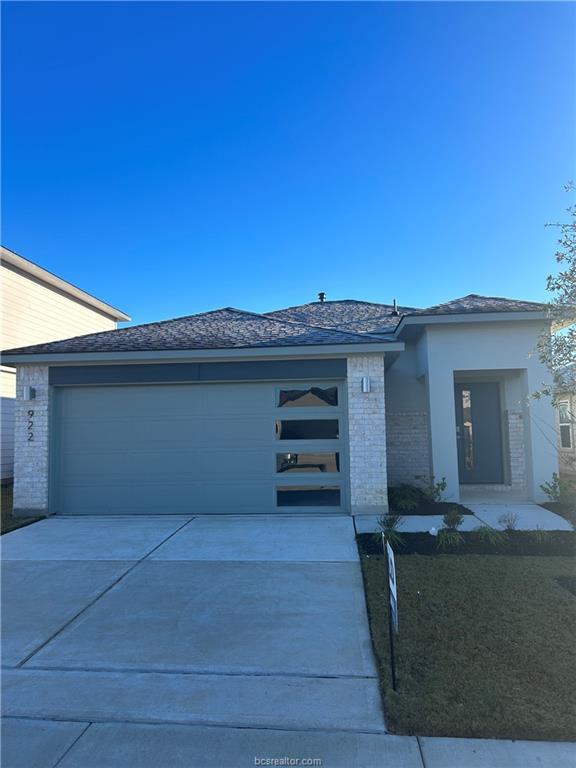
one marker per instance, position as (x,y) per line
(435,508)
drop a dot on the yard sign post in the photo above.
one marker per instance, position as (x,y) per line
(393,622)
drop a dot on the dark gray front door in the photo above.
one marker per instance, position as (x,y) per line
(479,433)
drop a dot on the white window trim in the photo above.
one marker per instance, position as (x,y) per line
(568,423)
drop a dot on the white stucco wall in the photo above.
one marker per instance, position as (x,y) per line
(509,348)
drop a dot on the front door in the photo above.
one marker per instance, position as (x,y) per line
(479,432)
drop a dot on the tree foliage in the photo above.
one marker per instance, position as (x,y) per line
(558,349)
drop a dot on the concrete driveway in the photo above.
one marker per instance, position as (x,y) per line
(239,636)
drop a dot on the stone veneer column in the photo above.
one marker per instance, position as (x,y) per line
(367,431)
(31,442)
(517,449)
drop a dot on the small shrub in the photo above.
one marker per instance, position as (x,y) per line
(538,535)
(389,525)
(453,518)
(489,536)
(406,498)
(509,521)
(449,539)
(436,490)
(561,490)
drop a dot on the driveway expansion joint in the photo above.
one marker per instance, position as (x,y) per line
(191,672)
(197,724)
(76,740)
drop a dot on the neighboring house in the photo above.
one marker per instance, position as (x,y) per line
(566,414)
(38,306)
(311,409)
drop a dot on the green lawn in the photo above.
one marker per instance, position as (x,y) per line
(7,521)
(487,645)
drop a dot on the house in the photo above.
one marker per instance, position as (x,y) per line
(310,409)
(566,410)
(38,306)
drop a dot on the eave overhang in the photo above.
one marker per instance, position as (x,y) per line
(83,358)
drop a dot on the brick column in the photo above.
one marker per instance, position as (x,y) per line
(408,445)
(517,449)
(31,442)
(367,430)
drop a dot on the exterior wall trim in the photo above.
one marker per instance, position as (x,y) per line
(272,370)
(198,355)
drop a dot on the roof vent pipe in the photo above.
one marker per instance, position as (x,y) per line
(395,308)
(322,296)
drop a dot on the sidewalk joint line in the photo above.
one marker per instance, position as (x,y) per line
(76,740)
(421,752)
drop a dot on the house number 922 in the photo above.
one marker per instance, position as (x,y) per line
(30,427)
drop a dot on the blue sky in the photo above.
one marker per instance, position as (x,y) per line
(176,157)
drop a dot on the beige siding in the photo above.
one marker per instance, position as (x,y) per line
(33,313)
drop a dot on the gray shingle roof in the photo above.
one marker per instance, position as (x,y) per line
(367,317)
(318,323)
(226,328)
(346,315)
(474,303)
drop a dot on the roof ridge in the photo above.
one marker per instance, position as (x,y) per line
(264,315)
(482,296)
(330,301)
(321,327)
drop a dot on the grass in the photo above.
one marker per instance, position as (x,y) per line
(7,520)
(486,645)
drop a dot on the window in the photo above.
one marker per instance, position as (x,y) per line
(565,419)
(316,397)
(308,496)
(467,429)
(307,462)
(307,429)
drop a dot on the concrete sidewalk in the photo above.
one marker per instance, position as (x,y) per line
(527,516)
(32,743)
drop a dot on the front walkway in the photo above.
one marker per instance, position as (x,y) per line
(527,516)
(210,643)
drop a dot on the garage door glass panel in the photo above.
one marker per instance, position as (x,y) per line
(315,397)
(308,496)
(307,462)
(307,429)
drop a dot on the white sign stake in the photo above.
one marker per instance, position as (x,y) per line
(392,589)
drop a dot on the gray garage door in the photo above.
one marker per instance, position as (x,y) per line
(199,449)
